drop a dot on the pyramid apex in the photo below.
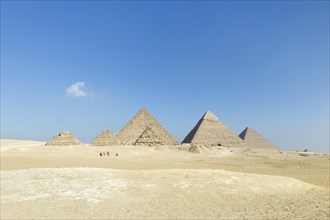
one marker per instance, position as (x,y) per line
(210,131)
(143,109)
(250,129)
(210,116)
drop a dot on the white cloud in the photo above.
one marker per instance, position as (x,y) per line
(77,89)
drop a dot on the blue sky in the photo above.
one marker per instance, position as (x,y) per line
(259,64)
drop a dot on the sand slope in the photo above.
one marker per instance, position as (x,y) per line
(21,145)
(164,182)
(105,193)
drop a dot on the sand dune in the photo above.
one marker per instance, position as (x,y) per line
(22,145)
(103,193)
(75,182)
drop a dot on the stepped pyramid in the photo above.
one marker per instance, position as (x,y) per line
(138,125)
(63,139)
(210,131)
(254,139)
(106,138)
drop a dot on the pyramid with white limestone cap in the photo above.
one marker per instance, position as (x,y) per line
(106,138)
(210,131)
(254,139)
(64,138)
(138,125)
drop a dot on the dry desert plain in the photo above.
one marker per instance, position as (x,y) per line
(167,182)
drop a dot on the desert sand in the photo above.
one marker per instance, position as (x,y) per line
(161,182)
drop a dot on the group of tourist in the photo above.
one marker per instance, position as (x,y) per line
(106,154)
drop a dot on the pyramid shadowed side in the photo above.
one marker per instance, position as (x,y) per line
(207,116)
(192,133)
(212,132)
(243,133)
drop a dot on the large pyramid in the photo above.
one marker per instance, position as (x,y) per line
(254,139)
(143,122)
(210,131)
(63,139)
(106,138)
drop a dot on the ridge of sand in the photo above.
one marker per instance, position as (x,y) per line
(21,145)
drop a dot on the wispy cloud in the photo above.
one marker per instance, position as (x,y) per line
(78,89)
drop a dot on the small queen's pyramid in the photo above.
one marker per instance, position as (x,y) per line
(106,138)
(210,131)
(143,122)
(63,139)
(254,139)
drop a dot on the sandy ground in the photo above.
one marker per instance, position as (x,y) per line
(75,182)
